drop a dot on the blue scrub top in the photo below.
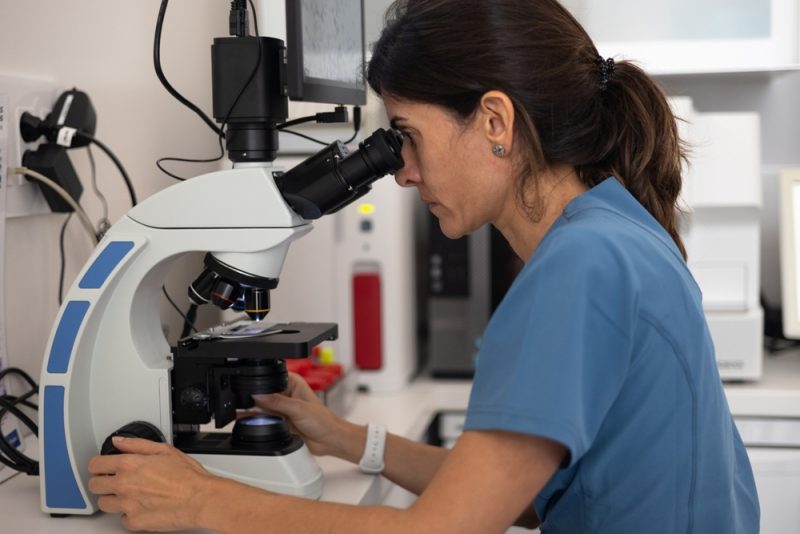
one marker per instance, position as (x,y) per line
(601,345)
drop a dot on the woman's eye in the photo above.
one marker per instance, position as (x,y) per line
(408,136)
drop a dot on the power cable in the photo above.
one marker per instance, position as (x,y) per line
(117,163)
(186,319)
(163,79)
(63,260)
(87,223)
(103,224)
(9,404)
(221,130)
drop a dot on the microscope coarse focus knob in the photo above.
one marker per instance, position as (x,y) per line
(136,429)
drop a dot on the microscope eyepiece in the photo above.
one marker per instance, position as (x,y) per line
(332,178)
(378,155)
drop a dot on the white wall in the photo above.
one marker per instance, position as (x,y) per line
(104,48)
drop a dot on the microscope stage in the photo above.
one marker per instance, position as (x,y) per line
(257,340)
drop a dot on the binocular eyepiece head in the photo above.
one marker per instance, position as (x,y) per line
(334,177)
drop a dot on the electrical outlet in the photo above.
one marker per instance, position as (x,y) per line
(18,95)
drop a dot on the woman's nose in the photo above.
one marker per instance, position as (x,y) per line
(408,176)
(402,178)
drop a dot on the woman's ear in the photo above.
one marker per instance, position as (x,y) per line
(497,117)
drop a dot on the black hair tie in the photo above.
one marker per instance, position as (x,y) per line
(606,67)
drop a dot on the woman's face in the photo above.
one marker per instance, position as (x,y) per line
(452,166)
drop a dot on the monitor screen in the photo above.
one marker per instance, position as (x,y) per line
(325,51)
(790,252)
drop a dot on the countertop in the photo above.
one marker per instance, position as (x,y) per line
(777,394)
(406,413)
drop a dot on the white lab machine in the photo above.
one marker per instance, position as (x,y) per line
(721,230)
(790,251)
(376,300)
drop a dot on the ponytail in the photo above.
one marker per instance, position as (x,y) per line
(642,147)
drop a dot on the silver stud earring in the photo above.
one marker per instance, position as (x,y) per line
(499,150)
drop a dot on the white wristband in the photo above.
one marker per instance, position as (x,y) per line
(372,461)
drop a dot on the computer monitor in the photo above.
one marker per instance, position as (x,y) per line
(790,251)
(325,51)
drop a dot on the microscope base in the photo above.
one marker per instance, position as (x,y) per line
(295,473)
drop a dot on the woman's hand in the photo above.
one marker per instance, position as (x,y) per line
(153,485)
(323,431)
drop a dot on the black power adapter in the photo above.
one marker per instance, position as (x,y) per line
(66,126)
(72,113)
(52,161)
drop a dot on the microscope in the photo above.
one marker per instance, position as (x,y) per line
(108,369)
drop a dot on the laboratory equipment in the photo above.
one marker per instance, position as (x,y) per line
(108,367)
(325,49)
(721,231)
(107,363)
(376,301)
(465,280)
(790,251)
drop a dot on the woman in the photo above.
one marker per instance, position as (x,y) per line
(597,406)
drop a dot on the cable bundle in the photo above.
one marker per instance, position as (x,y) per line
(10,405)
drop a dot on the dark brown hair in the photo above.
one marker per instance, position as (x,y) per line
(450,52)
